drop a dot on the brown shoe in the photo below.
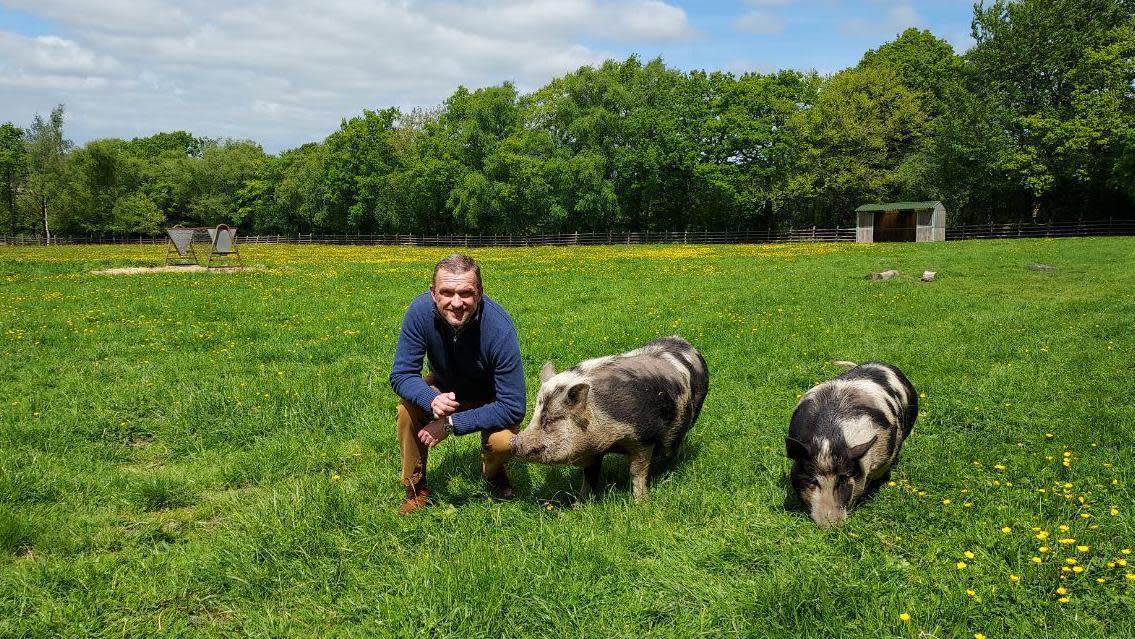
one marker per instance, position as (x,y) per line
(500,487)
(415,503)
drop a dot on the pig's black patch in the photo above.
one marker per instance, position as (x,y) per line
(644,399)
(905,396)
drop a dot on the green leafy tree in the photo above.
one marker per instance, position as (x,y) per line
(136,213)
(1059,74)
(852,142)
(13,171)
(361,155)
(47,180)
(218,192)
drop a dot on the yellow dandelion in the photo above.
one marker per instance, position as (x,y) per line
(1062,590)
(1067,541)
(945,502)
(1067,454)
(1064,527)
(1126,551)
(961,565)
(1129,576)
(968,504)
(1036,560)
(904,617)
(998,467)
(978,635)
(1048,435)
(1085,515)
(1121,562)
(1083,548)
(1111,564)
(1064,600)
(968,554)
(1042,535)
(1071,561)
(335,477)
(1006,530)
(1014,579)
(1077,569)
(1043,549)
(1101,580)
(970,593)
(1114,512)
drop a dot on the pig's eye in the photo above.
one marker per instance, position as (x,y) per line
(843,479)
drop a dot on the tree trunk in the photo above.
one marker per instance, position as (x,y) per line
(8,182)
(46,229)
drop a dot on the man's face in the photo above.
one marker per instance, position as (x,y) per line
(456,296)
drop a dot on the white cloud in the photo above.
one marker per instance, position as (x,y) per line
(759,22)
(898,18)
(285,72)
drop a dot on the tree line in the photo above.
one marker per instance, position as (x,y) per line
(1035,122)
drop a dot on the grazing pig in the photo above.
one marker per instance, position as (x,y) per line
(639,404)
(846,434)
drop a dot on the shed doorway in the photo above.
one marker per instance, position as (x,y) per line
(895,226)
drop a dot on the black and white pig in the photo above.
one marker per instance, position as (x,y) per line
(640,404)
(846,434)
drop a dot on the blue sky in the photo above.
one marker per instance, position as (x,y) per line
(285,72)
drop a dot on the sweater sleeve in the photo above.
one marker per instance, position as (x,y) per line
(406,373)
(507,409)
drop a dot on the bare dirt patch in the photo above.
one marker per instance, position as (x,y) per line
(139,270)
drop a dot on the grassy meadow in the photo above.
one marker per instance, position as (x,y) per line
(213,454)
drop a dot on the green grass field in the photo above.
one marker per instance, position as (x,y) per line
(214,454)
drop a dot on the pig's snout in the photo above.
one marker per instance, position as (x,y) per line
(828,518)
(525,450)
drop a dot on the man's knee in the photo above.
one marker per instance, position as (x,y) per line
(499,442)
(411,414)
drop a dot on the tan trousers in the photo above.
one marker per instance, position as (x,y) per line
(496,445)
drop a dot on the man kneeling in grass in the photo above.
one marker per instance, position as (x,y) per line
(476,379)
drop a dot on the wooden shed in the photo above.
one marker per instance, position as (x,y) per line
(901,222)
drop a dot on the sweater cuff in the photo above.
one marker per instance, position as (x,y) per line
(461,425)
(425,399)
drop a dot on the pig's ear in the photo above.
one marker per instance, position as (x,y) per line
(548,371)
(796,449)
(577,395)
(855,453)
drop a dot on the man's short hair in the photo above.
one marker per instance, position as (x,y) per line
(458,263)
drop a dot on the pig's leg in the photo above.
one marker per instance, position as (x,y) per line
(590,478)
(640,470)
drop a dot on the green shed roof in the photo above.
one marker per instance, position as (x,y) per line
(898,206)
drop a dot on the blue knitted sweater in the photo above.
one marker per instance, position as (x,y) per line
(480,362)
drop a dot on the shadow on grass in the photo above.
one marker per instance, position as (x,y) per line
(562,483)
